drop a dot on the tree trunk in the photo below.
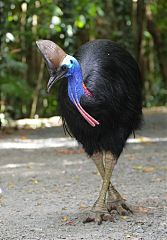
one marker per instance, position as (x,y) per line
(140,17)
(37,89)
(159,45)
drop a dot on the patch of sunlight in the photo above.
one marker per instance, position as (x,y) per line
(61,142)
(37,143)
(32,123)
(20,165)
(68,162)
(9,37)
(146,140)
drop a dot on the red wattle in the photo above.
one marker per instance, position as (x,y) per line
(93,122)
(86,90)
(85,114)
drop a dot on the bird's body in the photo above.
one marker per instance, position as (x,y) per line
(112,78)
(101,105)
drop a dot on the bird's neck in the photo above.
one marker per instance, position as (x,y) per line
(76,89)
(75,86)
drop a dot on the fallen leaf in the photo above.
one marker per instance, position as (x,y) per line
(70,223)
(11,185)
(142,210)
(138,167)
(65,219)
(148,169)
(34,181)
(82,206)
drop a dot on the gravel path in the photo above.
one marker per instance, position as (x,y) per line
(45,193)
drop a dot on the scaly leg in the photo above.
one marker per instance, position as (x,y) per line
(114,199)
(98,159)
(99,209)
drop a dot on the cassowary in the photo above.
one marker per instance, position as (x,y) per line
(101,105)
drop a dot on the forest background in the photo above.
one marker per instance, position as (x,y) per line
(139,26)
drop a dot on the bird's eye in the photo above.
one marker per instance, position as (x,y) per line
(64,67)
(71,61)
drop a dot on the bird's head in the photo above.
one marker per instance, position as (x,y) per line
(59,63)
(62,65)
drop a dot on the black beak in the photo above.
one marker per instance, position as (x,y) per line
(55,76)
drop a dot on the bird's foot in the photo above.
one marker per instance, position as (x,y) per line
(98,217)
(118,205)
(116,202)
(98,214)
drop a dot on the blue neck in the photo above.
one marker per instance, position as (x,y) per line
(75,88)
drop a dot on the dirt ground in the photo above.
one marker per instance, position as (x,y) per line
(46,190)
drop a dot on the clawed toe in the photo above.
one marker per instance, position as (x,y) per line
(108,217)
(98,217)
(120,207)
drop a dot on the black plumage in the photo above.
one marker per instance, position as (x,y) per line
(112,75)
(100,98)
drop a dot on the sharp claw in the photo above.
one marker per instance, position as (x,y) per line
(127,208)
(120,207)
(108,217)
(99,218)
(89,219)
(124,213)
(99,222)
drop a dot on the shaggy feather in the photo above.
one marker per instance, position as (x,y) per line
(112,75)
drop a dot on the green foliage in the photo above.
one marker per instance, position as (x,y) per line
(14,88)
(69,24)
